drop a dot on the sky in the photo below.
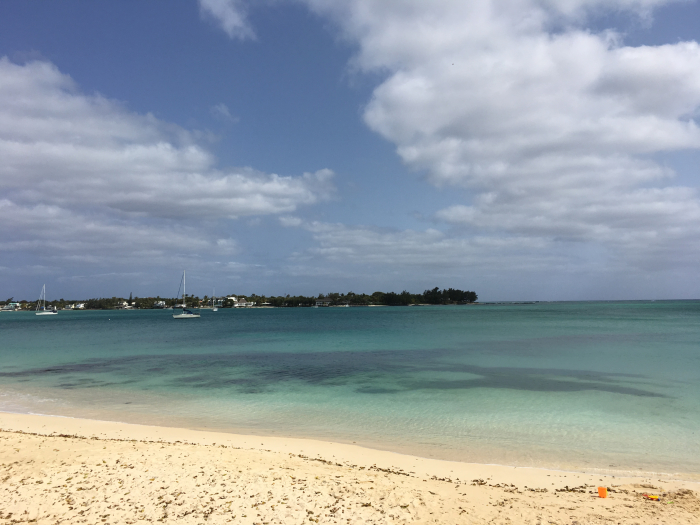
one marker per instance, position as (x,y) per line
(523,149)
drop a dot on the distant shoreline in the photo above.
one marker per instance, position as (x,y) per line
(259,307)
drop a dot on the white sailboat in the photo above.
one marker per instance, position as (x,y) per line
(213,301)
(186,314)
(41,304)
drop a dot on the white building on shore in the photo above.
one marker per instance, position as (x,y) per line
(240,302)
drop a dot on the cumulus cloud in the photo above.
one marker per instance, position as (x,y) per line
(82,174)
(549,128)
(230,15)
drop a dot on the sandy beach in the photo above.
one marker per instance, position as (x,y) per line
(63,470)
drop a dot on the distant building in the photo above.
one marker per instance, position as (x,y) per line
(324,301)
(159,304)
(11,307)
(239,302)
(243,303)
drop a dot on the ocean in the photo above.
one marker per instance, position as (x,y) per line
(610,387)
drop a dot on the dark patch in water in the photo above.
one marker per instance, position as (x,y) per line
(528,382)
(380,372)
(376,390)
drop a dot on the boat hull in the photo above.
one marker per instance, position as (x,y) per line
(185,316)
(46,313)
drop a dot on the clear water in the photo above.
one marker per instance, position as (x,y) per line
(593,386)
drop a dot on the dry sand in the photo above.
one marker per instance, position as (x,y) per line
(62,470)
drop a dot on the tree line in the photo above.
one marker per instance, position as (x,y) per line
(434,296)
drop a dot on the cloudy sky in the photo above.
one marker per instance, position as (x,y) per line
(524,149)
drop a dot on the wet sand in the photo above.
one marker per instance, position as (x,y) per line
(63,470)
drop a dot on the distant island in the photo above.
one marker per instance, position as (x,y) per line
(428,297)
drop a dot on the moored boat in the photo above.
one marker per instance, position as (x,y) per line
(41,304)
(185,314)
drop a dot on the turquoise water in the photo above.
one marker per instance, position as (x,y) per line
(591,386)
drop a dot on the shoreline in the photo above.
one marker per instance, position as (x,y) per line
(79,470)
(33,423)
(161,429)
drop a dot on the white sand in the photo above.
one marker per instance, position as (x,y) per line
(63,470)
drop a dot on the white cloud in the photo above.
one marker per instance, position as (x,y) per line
(67,236)
(221,112)
(549,128)
(230,15)
(81,174)
(431,248)
(407,248)
(289,221)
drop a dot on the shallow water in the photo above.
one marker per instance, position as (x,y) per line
(593,386)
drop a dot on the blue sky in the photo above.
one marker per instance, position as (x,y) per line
(525,149)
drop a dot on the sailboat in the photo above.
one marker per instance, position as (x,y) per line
(186,314)
(213,301)
(41,304)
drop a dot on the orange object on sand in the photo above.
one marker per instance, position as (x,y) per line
(652,497)
(602,492)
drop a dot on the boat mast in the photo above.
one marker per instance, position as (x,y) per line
(184,294)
